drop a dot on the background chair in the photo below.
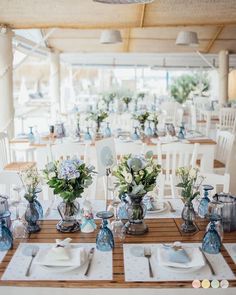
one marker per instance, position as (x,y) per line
(219,182)
(227,119)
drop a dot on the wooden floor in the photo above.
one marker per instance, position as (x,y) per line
(160,231)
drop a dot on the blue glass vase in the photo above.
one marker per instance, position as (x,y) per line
(32,217)
(6,238)
(149,131)
(104,239)
(188,215)
(135,135)
(107,132)
(211,241)
(203,205)
(87,135)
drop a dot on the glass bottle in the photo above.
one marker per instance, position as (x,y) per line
(107,132)
(87,135)
(204,202)
(212,239)
(135,135)
(6,238)
(104,239)
(149,131)
(31,135)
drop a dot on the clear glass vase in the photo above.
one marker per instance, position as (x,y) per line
(68,212)
(136,211)
(188,215)
(32,217)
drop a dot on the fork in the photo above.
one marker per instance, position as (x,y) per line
(171,207)
(33,255)
(148,255)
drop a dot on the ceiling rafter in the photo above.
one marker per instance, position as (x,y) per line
(143,11)
(215,37)
(127,41)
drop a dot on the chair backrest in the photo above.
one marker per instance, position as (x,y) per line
(175,155)
(4,150)
(68,150)
(8,179)
(126,148)
(224,146)
(227,118)
(218,181)
(43,156)
(193,113)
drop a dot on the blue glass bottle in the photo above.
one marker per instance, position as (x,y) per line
(6,238)
(107,131)
(104,239)
(31,136)
(203,205)
(135,135)
(87,135)
(149,131)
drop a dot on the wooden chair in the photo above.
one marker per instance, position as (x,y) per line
(224,146)
(172,156)
(227,119)
(218,181)
(5,157)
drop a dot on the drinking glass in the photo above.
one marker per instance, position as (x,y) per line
(104,239)
(6,239)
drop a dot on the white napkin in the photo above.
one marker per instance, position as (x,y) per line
(61,254)
(195,255)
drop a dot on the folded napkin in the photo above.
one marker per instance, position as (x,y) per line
(61,254)
(184,257)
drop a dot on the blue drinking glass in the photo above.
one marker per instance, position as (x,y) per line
(31,136)
(149,131)
(6,238)
(104,239)
(181,134)
(211,241)
(203,205)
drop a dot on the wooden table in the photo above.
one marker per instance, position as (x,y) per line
(160,231)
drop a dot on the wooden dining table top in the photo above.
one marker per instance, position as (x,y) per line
(160,231)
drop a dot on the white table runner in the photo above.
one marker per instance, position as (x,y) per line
(176,203)
(231,248)
(136,268)
(101,267)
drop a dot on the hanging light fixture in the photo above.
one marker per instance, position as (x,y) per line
(110,37)
(187,38)
(124,1)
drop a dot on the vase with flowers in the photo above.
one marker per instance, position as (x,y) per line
(189,183)
(98,117)
(136,175)
(68,178)
(141,117)
(31,181)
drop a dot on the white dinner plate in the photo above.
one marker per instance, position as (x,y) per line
(156,210)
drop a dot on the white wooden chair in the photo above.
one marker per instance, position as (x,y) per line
(8,179)
(224,146)
(68,150)
(219,182)
(6,158)
(227,119)
(126,148)
(173,156)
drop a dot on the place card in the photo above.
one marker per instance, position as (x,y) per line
(231,249)
(101,266)
(136,266)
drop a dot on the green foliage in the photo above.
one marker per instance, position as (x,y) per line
(183,86)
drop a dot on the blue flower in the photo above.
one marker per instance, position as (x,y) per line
(68,170)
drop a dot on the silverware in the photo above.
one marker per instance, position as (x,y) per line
(33,255)
(207,261)
(148,255)
(90,257)
(171,207)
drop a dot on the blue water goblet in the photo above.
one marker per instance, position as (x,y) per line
(104,239)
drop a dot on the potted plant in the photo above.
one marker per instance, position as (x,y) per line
(68,178)
(98,117)
(136,175)
(127,100)
(108,99)
(141,118)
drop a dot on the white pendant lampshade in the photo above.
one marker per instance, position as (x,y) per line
(110,37)
(124,1)
(187,38)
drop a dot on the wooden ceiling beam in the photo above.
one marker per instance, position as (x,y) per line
(113,26)
(127,41)
(215,37)
(143,10)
